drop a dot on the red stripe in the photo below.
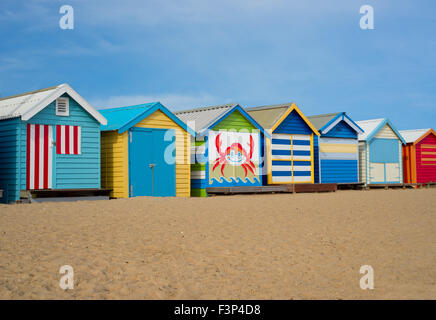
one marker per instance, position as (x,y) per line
(46,157)
(67,139)
(58,139)
(76,140)
(36,186)
(28,158)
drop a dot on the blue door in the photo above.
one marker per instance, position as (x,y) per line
(152,170)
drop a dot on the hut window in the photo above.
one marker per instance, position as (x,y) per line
(62,107)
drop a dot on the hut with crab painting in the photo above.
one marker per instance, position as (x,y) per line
(290,152)
(227,151)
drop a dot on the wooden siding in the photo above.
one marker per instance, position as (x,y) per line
(9,159)
(198,169)
(235,121)
(70,171)
(114,163)
(293,124)
(362,162)
(386,133)
(183,170)
(341,130)
(425,166)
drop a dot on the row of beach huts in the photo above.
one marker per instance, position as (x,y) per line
(53,142)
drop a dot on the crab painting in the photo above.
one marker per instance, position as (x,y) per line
(234,155)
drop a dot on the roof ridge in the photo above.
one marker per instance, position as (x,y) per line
(415,129)
(227,105)
(325,115)
(31,92)
(137,106)
(271,106)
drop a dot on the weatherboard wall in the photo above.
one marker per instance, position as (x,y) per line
(419,160)
(426,159)
(81,171)
(338,155)
(10,159)
(291,152)
(381,158)
(78,171)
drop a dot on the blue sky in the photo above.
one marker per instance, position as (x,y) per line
(191,53)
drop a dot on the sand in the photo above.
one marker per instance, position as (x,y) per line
(283,246)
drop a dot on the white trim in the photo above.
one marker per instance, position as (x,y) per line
(64,88)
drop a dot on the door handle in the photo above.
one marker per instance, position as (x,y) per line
(151,165)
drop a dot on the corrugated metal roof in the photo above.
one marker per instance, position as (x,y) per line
(16,106)
(412,135)
(368,126)
(267,116)
(321,120)
(201,118)
(26,105)
(119,117)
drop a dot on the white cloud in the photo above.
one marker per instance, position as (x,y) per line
(171,101)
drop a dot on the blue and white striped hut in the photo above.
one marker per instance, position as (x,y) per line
(289,153)
(336,150)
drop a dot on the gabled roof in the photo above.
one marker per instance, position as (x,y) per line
(372,127)
(325,122)
(271,116)
(202,119)
(123,118)
(28,104)
(416,135)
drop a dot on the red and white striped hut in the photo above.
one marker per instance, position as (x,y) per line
(49,140)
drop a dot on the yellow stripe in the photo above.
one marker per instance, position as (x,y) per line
(311,156)
(426,152)
(428,146)
(337,148)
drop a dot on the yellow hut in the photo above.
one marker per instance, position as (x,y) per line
(145,152)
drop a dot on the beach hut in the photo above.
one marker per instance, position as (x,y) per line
(380,152)
(145,152)
(419,155)
(49,140)
(336,149)
(289,152)
(227,150)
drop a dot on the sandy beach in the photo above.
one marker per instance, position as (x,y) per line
(282,246)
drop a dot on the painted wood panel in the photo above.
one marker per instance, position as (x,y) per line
(114,163)
(293,124)
(386,133)
(9,160)
(90,157)
(341,130)
(362,162)
(426,159)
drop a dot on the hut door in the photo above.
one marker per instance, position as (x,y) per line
(291,158)
(151,162)
(39,156)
